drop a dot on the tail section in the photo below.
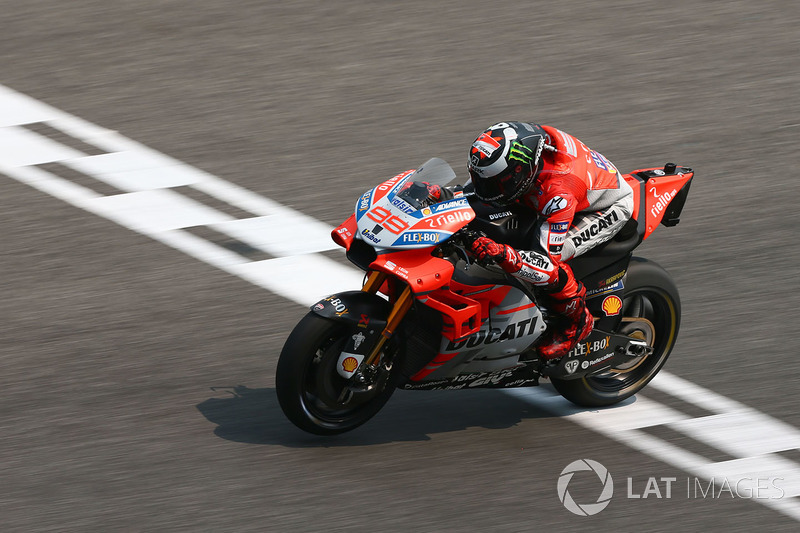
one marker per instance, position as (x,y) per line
(659,195)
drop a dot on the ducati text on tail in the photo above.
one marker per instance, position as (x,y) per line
(430,318)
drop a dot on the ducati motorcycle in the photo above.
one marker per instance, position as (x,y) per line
(429,317)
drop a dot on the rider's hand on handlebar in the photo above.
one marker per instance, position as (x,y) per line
(485,249)
(434,192)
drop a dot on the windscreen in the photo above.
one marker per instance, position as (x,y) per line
(415,192)
(435,171)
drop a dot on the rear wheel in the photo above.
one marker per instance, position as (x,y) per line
(651,312)
(311,392)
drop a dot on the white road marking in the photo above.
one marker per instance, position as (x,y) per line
(151,208)
(154,211)
(134,171)
(299,273)
(20,147)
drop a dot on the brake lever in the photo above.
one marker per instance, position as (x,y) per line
(467,237)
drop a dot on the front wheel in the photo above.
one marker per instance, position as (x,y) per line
(652,313)
(310,391)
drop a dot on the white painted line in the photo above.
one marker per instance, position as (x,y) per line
(135,171)
(17,108)
(691,393)
(724,431)
(660,449)
(637,414)
(20,147)
(50,184)
(749,471)
(241,197)
(153,211)
(304,279)
(302,275)
(279,235)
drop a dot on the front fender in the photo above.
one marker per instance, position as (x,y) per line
(356,308)
(364,315)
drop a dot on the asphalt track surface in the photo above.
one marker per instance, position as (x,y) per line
(137,383)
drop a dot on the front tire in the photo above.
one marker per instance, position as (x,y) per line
(651,312)
(313,395)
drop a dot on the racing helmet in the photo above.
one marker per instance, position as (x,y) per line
(504,161)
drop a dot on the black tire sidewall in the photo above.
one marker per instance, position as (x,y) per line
(291,374)
(642,274)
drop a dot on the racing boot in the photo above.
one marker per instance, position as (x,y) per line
(573,323)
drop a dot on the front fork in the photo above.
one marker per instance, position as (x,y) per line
(375,280)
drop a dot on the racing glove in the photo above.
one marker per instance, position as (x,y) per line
(434,192)
(485,249)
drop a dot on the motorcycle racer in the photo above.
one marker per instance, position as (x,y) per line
(581,199)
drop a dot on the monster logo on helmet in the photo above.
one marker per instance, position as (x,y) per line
(504,161)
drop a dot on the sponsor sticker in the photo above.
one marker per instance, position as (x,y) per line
(513,331)
(662,201)
(495,216)
(571,366)
(612,305)
(348,364)
(602,290)
(403,206)
(366,233)
(452,204)
(358,338)
(420,237)
(556,204)
(486,145)
(363,204)
(595,228)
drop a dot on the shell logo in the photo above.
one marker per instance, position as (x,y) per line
(350,364)
(612,305)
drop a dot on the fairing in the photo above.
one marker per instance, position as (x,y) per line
(486,325)
(659,195)
(387,219)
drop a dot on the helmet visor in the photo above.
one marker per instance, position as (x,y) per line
(503,188)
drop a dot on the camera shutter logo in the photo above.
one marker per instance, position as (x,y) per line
(585,509)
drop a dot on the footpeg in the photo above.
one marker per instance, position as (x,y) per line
(635,348)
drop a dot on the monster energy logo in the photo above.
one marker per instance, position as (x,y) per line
(520,152)
(526,155)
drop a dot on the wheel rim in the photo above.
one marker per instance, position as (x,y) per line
(326,397)
(640,329)
(649,314)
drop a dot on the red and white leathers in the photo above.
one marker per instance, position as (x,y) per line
(580,195)
(582,201)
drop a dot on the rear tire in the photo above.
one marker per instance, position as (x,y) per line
(312,394)
(651,311)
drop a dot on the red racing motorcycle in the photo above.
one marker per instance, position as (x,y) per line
(429,317)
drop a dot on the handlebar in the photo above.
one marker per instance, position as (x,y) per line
(461,241)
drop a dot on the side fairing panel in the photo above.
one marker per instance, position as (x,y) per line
(510,328)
